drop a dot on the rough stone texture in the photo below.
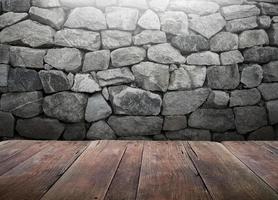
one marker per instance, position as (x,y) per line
(252,38)
(11,18)
(269,91)
(245,97)
(224,41)
(174,22)
(264,22)
(183,102)
(134,3)
(239,11)
(127,56)
(149,20)
(203,58)
(65,106)
(4,54)
(15,5)
(252,76)
(85,83)
(106,3)
(212,119)
(46,4)
(75,131)
(132,101)
(189,134)
(95,61)
(239,25)
(231,57)
(217,99)
(40,128)
(4,72)
(260,54)
(271,72)
(273,34)
(113,39)
(174,123)
(79,3)
(227,136)
(135,125)
(100,131)
(150,37)
(6,124)
(269,9)
(272,108)
(265,133)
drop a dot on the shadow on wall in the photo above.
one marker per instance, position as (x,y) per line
(139,69)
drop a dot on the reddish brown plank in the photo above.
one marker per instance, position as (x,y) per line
(272,146)
(167,173)
(225,176)
(259,158)
(125,182)
(33,177)
(90,176)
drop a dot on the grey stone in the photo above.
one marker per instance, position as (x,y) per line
(227,136)
(127,56)
(187,77)
(158,5)
(68,59)
(46,4)
(160,137)
(269,9)
(95,61)
(85,83)
(65,106)
(217,99)
(15,5)
(6,124)
(106,3)
(86,17)
(245,97)
(105,93)
(121,18)
(100,131)
(28,32)
(4,54)
(252,76)
(208,25)
(133,101)
(97,108)
(4,73)
(23,80)
(184,102)
(264,21)
(149,20)
(134,3)
(275,19)
(115,76)
(174,123)
(224,41)
(113,39)
(174,22)
(77,38)
(135,138)
(190,43)
(40,128)
(135,125)
(252,38)
(203,58)
(27,57)
(239,25)
(165,54)
(75,131)
(231,57)
(150,37)
(260,54)
(223,77)
(11,18)
(54,81)
(24,105)
(79,3)
(228,2)
(271,71)
(269,91)
(239,11)
(189,134)
(151,76)
(249,118)
(273,34)
(265,133)
(272,108)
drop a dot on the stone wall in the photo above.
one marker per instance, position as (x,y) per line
(139,69)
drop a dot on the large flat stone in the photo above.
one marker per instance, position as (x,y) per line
(203,58)
(252,38)
(269,91)
(239,25)
(113,39)
(245,97)
(127,56)
(260,54)
(239,11)
(174,22)
(6,124)
(97,60)
(10,18)
(150,37)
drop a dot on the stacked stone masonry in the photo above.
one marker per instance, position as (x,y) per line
(139,69)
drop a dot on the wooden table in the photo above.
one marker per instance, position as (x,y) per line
(142,170)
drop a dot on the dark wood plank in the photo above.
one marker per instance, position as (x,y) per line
(125,182)
(259,158)
(33,177)
(167,173)
(224,175)
(90,176)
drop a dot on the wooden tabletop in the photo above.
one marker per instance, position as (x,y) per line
(142,170)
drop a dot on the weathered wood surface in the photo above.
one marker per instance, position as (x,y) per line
(138,170)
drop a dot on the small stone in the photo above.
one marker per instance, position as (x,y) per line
(23,80)
(151,76)
(269,91)
(85,83)
(4,54)
(127,56)
(165,54)
(97,108)
(223,77)
(272,108)
(6,124)
(54,81)
(239,25)
(149,20)
(174,123)
(275,19)
(203,58)
(75,131)
(68,59)
(40,128)
(252,76)
(231,57)
(264,22)
(189,134)
(100,131)
(121,18)
(133,101)
(46,4)
(269,9)
(245,97)
(24,105)
(4,73)
(15,5)
(217,99)
(273,34)
(79,3)
(174,22)
(78,38)
(239,11)
(149,37)
(142,4)
(115,76)
(10,18)
(224,41)
(265,133)
(271,72)
(158,5)
(187,77)
(260,54)
(227,136)
(106,3)
(113,39)
(27,57)
(135,125)
(249,118)
(252,38)
(65,106)
(95,61)
(184,102)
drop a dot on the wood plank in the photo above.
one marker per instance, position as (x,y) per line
(33,177)
(272,146)
(224,175)
(90,176)
(125,182)
(167,173)
(259,158)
